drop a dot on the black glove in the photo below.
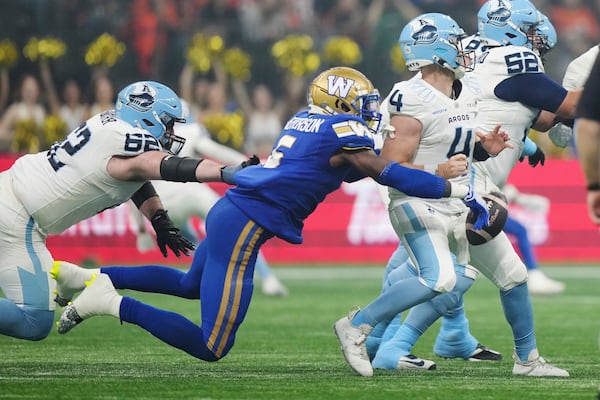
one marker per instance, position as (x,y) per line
(228,171)
(537,158)
(168,235)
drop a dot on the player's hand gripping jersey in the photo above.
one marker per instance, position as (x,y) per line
(70,182)
(297,176)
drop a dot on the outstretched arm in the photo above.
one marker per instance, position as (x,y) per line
(156,165)
(413,182)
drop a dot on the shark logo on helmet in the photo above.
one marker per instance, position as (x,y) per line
(142,97)
(500,14)
(424,31)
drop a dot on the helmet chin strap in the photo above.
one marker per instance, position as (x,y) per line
(458,71)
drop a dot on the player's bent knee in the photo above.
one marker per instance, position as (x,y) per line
(36,326)
(446,284)
(515,278)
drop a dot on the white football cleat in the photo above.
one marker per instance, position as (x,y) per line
(539,283)
(352,341)
(271,286)
(70,279)
(536,366)
(410,361)
(98,298)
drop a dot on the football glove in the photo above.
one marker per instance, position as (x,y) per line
(537,158)
(478,207)
(229,171)
(560,135)
(167,235)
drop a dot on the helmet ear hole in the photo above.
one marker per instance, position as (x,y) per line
(343,106)
(147,122)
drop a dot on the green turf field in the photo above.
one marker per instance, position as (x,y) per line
(286,349)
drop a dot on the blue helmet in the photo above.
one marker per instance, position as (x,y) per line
(547,37)
(154,107)
(506,22)
(434,38)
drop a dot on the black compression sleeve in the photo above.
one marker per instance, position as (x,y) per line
(479,153)
(588,104)
(143,194)
(179,169)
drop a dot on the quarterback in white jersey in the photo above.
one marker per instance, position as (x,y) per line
(433,116)
(106,161)
(503,100)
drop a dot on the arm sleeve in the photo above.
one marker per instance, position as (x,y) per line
(529,148)
(548,95)
(413,182)
(588,104)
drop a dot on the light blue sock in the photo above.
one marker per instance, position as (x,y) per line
(391,329)
(400,345)
(397,298)
(454,339)
(374,339)
(397,260)
(519,314)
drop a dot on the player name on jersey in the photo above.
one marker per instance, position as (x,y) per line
(310,125)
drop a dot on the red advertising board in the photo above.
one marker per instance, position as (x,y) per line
(351,226)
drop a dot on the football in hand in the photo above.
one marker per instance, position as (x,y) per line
(497,206)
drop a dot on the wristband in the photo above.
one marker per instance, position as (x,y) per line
(143,194)
(431,168)
(479,152)
(457,191)
(593,187)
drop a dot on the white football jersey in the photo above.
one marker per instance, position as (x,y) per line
(579,69)
(493,67)
(448,124)
(69,182)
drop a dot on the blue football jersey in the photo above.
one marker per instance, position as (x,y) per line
(296,177)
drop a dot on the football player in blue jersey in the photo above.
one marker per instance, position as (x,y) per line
(317,150)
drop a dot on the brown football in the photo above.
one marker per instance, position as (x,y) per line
(497,205)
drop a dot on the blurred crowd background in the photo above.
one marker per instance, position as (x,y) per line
(242,65)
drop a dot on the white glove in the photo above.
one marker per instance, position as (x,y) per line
(560,135)
(145,242)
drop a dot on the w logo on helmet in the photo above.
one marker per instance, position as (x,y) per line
(339,86)
(500,14)
(141,97)
(424,31)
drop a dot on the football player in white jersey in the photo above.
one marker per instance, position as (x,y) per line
(505,72)
(106,161)
(185,201)
(433,116)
